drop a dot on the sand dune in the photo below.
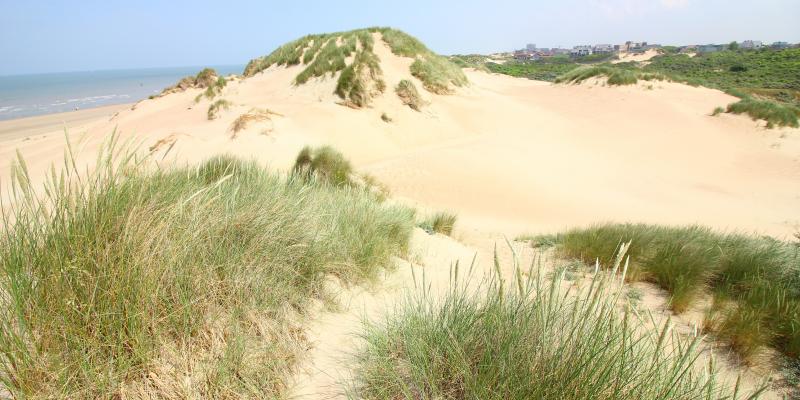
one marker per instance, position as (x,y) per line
(507,154)
(637,57)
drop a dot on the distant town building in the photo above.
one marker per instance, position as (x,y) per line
(603,49)
(579,51)
(780,45)
(530,47)
(751,44)
(521,55)
(710,48)
(687,49)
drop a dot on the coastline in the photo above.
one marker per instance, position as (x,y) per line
(19,128)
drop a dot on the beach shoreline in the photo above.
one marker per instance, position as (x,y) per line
(19,128)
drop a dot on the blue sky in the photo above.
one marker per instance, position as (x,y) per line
(50,36)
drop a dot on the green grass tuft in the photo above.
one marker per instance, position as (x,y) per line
(438,74)
(409,95)
(440,222)
(325,164)
(528,339)
(616,76)
(749,276)
(138,281)
(216,106)
(771,112)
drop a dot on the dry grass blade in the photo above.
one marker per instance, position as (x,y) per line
(255,115)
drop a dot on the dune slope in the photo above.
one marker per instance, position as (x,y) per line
(507,154)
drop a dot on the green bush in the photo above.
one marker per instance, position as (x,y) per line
(191,280)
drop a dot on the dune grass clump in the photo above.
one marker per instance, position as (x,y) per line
(287,55)
(773,113)
(438,74)
(360,80)
(191,282)
(204,79)
(323,163)
(216,106)
(754,281)
(409,95)
(440,222)
(615,76)
(530,339)
(255,115)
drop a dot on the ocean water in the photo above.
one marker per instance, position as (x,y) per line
(38,94)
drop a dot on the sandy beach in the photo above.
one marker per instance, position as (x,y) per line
(20,128)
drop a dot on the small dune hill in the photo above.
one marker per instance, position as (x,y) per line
(351,58)
(204,79)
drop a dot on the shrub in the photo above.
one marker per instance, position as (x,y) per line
(528,339)
(385,118)
(325,164)
(143,282)
(441,222)
(409,95)
(717,111)
(214,108)
(772,113)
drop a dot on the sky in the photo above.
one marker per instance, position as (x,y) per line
(38,36)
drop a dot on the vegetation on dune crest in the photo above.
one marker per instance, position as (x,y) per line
(767,80)
(360,80)
(529,339)
(409,95)
(616,76)
(440,222)
(192,282)
(205,79)
(754,281)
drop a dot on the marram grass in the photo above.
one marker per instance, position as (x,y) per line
(189,282)
(754,281)
(361,79)
(531,339)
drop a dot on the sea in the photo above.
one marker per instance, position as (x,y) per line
(38,94)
